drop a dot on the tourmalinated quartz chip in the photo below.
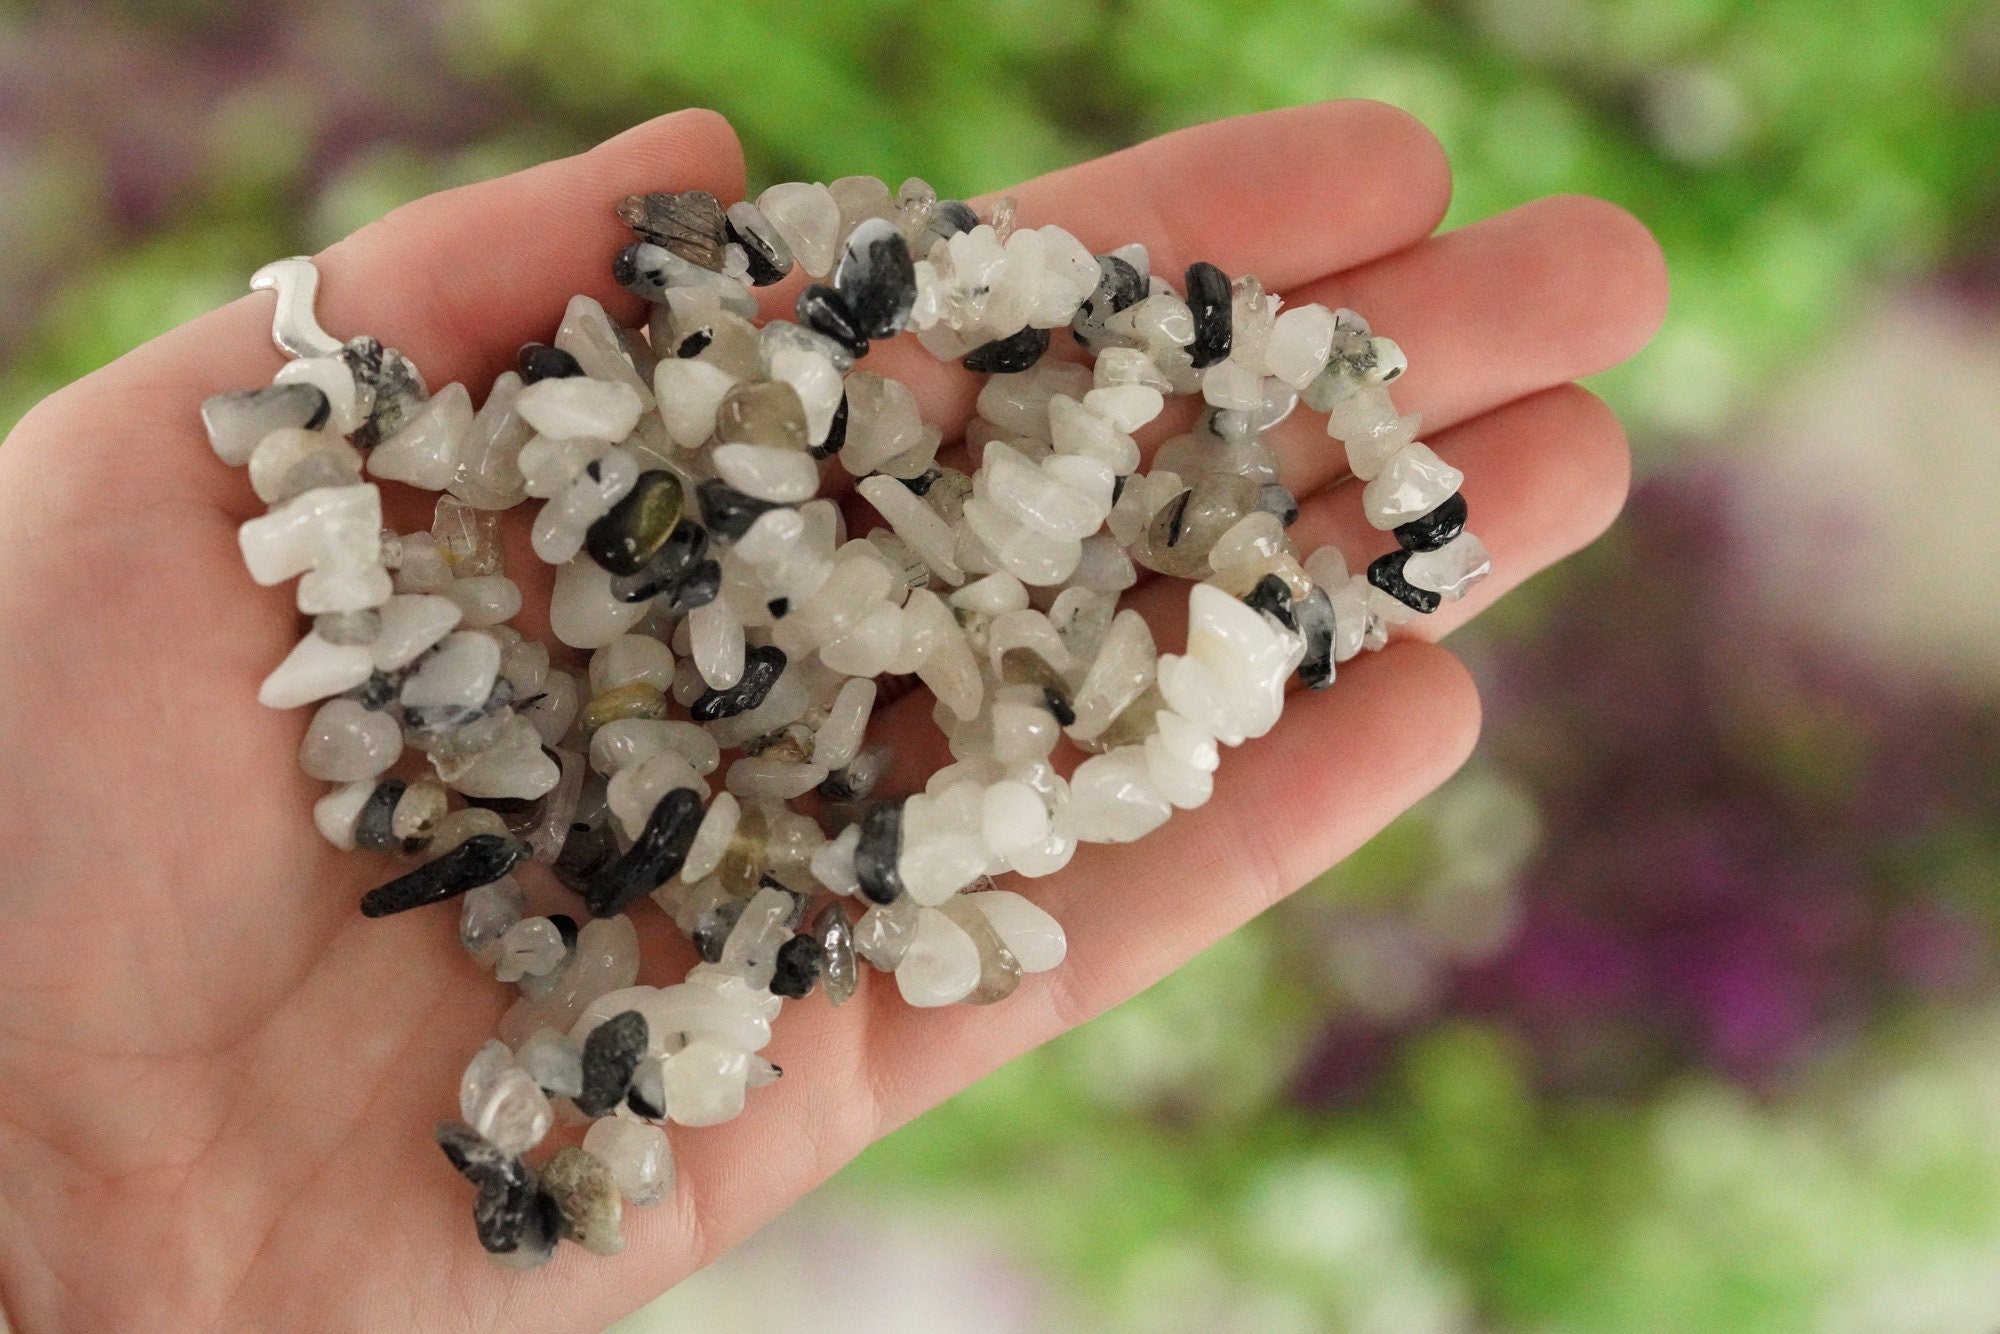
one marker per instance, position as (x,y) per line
(690,224)
(717,625)
(480,860)
(611,1056)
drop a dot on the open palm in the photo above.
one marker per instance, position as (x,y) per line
(217,1079)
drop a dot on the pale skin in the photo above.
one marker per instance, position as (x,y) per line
(217,1080)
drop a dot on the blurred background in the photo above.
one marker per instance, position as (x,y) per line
(1677,1010)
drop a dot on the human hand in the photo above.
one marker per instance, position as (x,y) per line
(217,1079)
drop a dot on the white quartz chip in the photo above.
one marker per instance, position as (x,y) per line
(313,670)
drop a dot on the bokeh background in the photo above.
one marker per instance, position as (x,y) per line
(1677,1010)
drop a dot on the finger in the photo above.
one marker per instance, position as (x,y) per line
(1544,294)
(1544,477)
(1288,195)
(457,281)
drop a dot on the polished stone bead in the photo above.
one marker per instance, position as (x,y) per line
(653,273)
(882,936)
(418,813)
(237,423)
(940,964)
(825,311)
(632,533)
(1119,285)
(1452,569)
(808,218)
(770,259)
(1386,574)
(489,913)
(690,223)
(1010,355)
(538,361)
(766,412)
(1413,482)
(798,968)
(586,1195)
(438,720)
(727,511)
(349,627)
(654,857)
(502,1102)
(999,971)
(700,586)
(876,278)
(480,860)
(1185,530)
(553,1060)
(634,699)
(877,855)
(637,1155)
(610,1055)
(504,1214)
(347,742)
(762,666)
(531,948)
(1435,529)
(1210,301)
(390,382)
(836,948)
(468,538)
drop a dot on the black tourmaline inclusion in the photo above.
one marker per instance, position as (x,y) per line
(538,361)
(876,855)
(511,1213)
(797,969)
(877,279)
(763,258)
(610,1055)
(1119,285)
(1272,595)
(480,860)
(727,511)
(1208,299)
(374,829)
(836,434)
(1010,355)
(1387,575)
(825,311)
(1314,614)
(652,859)
(626,538)
(1435,529)
(762,666)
